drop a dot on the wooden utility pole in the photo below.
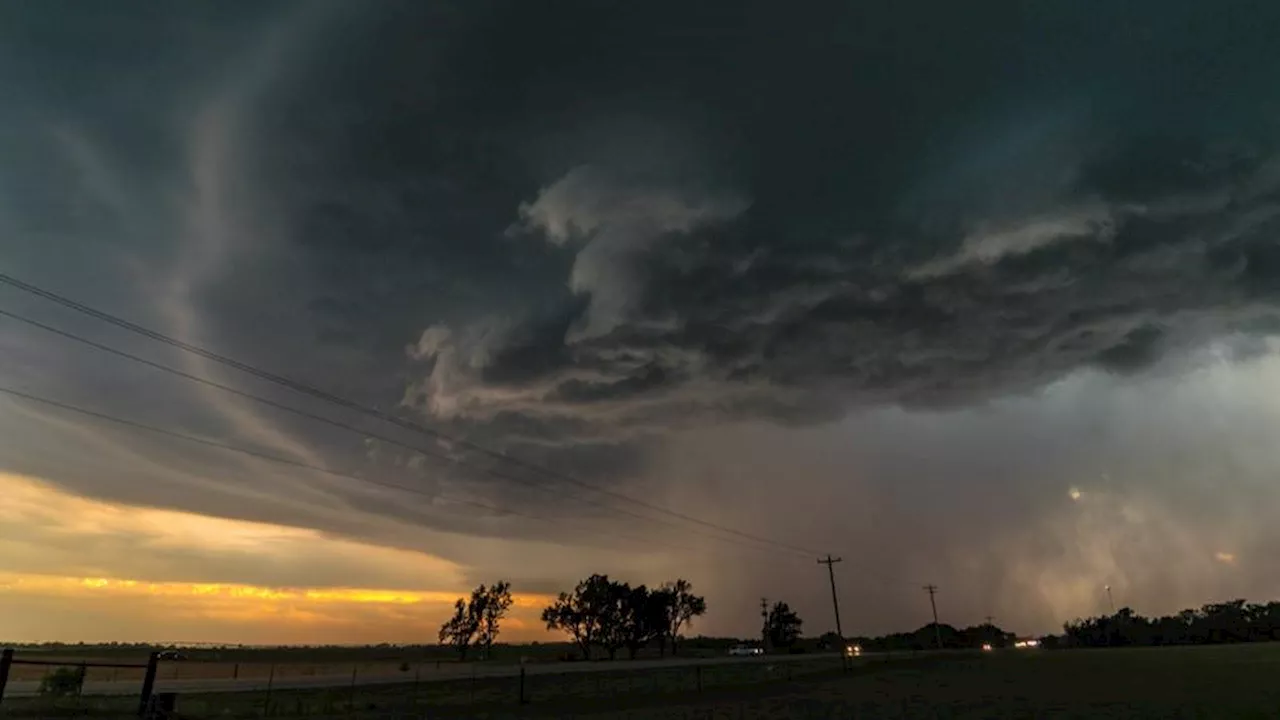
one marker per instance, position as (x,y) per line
(830,562)
(764,622)
(937,630)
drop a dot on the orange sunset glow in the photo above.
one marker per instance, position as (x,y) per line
(47,534)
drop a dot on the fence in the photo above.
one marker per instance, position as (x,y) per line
(254,690)
(59,685)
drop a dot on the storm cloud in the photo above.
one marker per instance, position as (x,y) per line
(923,273)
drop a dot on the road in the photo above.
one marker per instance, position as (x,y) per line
(448,672)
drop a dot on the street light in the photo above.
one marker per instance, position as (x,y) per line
(1110,601)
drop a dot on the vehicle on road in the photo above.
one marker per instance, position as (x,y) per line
(853,650)
(746,650)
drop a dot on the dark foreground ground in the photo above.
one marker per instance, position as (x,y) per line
(1241,681)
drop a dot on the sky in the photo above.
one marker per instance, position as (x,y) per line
(984,298)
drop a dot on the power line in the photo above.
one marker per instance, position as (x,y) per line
(243,451)
(306,389)
(135,425)
(350,428)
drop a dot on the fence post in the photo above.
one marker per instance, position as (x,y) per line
(522,700)
(235,672)
(351,694)
(148,683)
(271,681)
(417,676)
(6,662)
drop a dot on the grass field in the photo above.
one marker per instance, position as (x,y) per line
(302,662)
(1238,681)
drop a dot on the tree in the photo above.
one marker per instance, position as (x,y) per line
(681,607)
(585,613)
(491,605)
(783,626)
(829,640)
(476,621)
(459,629)
(644,617)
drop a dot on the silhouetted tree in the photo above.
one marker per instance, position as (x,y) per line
(643,616)
(585,613)
(459,629)
(829,640)
(783,626)
(476,621)
(1226,622)
(681,607)
(490,606)
(617,617)
(984,634)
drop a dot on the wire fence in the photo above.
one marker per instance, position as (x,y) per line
(40,688)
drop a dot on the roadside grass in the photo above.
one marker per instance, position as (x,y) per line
(1224,681)
(485,695)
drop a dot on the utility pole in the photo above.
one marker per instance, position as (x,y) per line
(1111,601)
(830,562)
(991,620)
(937,631)
(764,623)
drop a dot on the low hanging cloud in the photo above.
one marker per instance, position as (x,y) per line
(676,317)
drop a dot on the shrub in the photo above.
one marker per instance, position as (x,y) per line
(62,682)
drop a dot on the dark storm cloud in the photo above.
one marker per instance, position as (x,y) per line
(571,230)
(882,209)
(593,222)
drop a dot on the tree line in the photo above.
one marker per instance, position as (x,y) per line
(1227,622)
(599,613)
(927,637)
(603,613)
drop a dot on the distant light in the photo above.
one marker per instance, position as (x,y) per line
(1033,643)
(1074,493)
(1225,558)
(986,646)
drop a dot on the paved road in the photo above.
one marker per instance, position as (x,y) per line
(448,672)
